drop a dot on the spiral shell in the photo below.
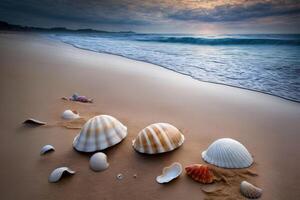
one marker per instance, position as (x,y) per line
(200,173)
(227,153)
(98,133)
(250,191)
(158,138)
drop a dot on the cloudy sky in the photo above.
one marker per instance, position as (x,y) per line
(164,16)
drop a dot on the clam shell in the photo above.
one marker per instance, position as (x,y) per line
(98,133)
(58,173)
(250,191)
(158,138)
(169,173)
(69,114)
(200,173)
(227,153)
(47,148)
(98,162)
(35,122)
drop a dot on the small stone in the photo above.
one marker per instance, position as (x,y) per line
(134,175)
(120,176)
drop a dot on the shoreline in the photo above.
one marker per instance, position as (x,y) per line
(224,84)
(37,72)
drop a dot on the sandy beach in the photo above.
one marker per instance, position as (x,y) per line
(36,72)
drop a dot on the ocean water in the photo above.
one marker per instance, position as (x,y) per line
(265,63)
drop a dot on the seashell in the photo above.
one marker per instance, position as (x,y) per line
(98,162)
(58,173)
(158,138)
(69,114)
(169,173)
(120,176)
(200,173)
(227,153)
(47,148)
(35,122)
(250,191)
(98,133)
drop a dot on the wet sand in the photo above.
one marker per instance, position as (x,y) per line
(36,72)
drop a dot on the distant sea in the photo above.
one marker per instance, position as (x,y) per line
(266,63)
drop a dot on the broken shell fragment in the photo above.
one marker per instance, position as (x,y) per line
(69,115)
(250,191)
(98,162)
(35,122)
(47,148)
(169,173)
(58,173)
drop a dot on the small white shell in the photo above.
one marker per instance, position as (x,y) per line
(250,191)
(98,133)
(227,153)
(58,173)
(169,173)
(35,122)
(47,148)
(98,162)
(69,114)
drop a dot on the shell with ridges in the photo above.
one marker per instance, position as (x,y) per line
(169,173)
(158,138)
(69,114)
(250,191)
(47,148)
(200,173)
(227,153)
(98,133)
(58,173)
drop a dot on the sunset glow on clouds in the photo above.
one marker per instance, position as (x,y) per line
(189,16)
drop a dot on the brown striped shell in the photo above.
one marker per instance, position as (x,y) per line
(158,138)
(200,173)
(98,133)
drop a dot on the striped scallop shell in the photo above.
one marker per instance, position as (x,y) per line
(98,133)
(250,191)
(200,173)
(227,153)
(158,138)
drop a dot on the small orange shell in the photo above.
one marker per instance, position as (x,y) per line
(200,173)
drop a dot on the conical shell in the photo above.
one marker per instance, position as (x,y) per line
(200,173)
(250,191)
(227,153)
(69,114)
(158,138)
(169,173)
(47,148)
(98,133)
(58,173)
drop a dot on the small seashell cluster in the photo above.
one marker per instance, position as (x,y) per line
(158,138)
(169,173)
(98,133)
(200,173)
(250,191)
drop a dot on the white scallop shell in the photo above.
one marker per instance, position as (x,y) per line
(69,114)
(158,138)
(98,162)
(47,148)
(58,173)
(250,191)
(98,133)
(227,153)
(169,173)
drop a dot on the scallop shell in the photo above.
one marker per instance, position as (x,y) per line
(98,162)
(58,173)
(69,114)
(227,153)
(47,148)
(250,191)
(98,133)
(169,173)
(200,173)
(158,138)
(35,122)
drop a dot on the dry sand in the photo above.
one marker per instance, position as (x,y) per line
(36,72)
